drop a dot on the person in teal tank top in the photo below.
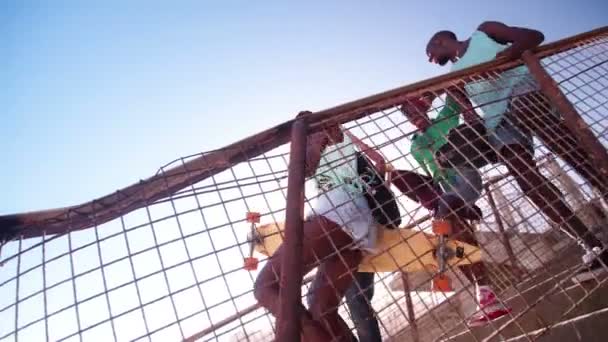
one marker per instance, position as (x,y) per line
(508,126)
(533,112)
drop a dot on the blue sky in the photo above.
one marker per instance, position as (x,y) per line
(98,96)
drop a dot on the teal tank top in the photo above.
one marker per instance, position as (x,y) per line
(492,95)
(338,168)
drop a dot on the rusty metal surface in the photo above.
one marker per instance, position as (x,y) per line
(288,322)
(570,116)
(409,305)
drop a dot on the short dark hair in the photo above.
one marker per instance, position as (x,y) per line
(443,35)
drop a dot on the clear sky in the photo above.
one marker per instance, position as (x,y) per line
(98,96)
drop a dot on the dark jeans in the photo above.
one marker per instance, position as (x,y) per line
(358,299)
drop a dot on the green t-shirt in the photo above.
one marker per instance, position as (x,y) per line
(425,144)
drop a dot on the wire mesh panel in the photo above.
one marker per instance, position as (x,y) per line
(163,260)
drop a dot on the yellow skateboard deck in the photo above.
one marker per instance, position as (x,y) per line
(398,249)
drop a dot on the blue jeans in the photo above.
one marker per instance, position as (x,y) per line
(358,299)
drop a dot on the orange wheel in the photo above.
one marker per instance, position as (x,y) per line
(442,227)
(253,217)
(250,264)
(442,283)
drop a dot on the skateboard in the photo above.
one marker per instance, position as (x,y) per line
(403,250)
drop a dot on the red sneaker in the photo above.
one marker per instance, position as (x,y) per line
(488,308)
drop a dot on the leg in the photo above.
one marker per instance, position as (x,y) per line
(568,148)
(516,152)
(334,277)
(535,112)
(543,194)
(320,237)
(457,203)
(358,298)
(417,187)
(477,273)
(461,193)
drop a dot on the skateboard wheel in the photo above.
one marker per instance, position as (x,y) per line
(460,252)
(250,264)
(442,227)
(253,217)
(389,167)
(442,283)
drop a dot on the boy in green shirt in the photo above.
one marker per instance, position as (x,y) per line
(450,193)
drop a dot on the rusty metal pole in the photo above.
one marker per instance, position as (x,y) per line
(505,237)
(288,321)
(571,118)
(411,316)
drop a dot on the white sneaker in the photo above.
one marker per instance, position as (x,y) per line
(593,269)
(591,255)
(488,308)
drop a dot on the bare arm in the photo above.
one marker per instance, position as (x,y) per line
(521,38)
(420,104)
(315,143)
(376,158)
(468,113)
(314,147)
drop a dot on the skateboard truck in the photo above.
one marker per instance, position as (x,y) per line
(250,263)
(441,282)
(460,252)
